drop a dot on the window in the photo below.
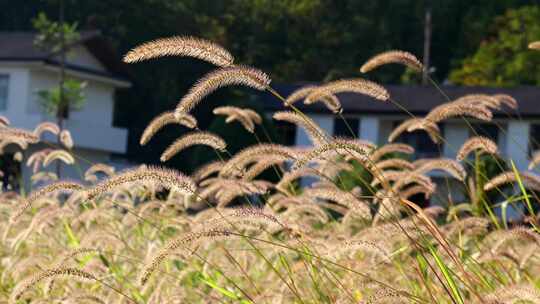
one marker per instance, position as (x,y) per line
(421,142)
(4,83)
(534,139)
(286,132)
(490,131)
(12,173)
(341,128)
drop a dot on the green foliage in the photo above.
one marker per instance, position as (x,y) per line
(359,177)
(49,35)
(55,38)
(73,97)
(503,59)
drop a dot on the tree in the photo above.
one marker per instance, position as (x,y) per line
(56,38)
(503,59)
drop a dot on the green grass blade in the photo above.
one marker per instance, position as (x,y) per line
(447,276)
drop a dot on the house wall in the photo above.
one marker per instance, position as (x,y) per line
(91,127)
(88,126)
(82,57)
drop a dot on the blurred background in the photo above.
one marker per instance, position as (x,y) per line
(464,42)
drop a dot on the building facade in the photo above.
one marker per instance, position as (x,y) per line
(25,70)
(516,132)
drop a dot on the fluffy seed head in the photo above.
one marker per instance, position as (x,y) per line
(46,127)
(181,46)
(507,100)
(534,45)
(529,180)
(445,164)
(66,139)
(315,133)
(481,143)
(52,188)
(33,280)
(358,150)
(535,160)
(248,118)
(22,134)
(4,121)
(191,139)
(299,94)
(394,56)
(164,119)
(163,177)
(358,86)
(234,75)
(240,160)
(458,108)
(90,174)
(61,155)
(180,242)
(391,148)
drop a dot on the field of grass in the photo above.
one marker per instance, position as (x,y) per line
(226,235)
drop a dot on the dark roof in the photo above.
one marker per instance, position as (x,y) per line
(19,46)
(416,99)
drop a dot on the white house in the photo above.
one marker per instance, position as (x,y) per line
(24,70)
(517,132)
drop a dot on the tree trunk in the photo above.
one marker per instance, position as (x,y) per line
(60,109)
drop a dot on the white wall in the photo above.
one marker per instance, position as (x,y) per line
(80,56)
(326,122)
(517,143)
(369,128)
(455,134)
(97,109)
(91,127)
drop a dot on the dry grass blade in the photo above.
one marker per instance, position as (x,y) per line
(394,56)
(181,46)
